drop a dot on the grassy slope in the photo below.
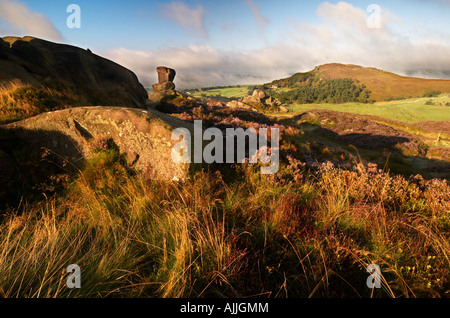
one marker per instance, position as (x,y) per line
(19,101)
(383,84)
(431,122)
(407,111)
(229,92)
(428,123)
(296,234)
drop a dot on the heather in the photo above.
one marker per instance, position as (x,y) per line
(310,230)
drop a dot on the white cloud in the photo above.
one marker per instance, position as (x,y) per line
(196,65)
(342,36)
(193,19)
(260,19)
(439,2)
(23,21)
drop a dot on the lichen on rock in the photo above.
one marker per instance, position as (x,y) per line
(144,137)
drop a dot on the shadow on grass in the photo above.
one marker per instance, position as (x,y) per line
(35,163)
(400,154)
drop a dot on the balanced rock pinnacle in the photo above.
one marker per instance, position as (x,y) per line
(165,79)
(165,74)
(164,86)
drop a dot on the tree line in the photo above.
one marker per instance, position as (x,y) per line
(306,88)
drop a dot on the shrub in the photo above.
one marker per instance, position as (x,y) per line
(432,94)
(314,90)
(391,98)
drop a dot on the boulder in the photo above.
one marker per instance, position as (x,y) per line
(81,77)
(253,101)
(164,97)
(240,104)
(165,74)
(164,86)
(269,101)
(283,109)
(144,137)
(232,104)
(277,102)
(259,94)
(214,103)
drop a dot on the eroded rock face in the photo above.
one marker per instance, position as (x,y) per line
(258,99)
(241,105)
(143,136)
(164,86)
(165,74)
(82,77)
(164,96)
(259,94)
(165,80)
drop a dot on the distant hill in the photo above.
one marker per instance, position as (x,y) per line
(78,76)
(381,84)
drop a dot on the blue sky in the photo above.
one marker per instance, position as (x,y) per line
(244,41)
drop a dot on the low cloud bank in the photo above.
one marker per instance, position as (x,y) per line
(342,36)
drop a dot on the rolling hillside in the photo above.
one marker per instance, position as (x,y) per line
(382,85)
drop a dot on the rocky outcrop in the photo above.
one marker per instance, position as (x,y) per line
(165,79)
(259,94)
(165,74)
(164,87)
(283,109)
(144,137)
(241,105)
(81,76)
(164,96)
(215,103)
(258,100)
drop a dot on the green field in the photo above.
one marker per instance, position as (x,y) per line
(408,111)
(412,110)
(228,92)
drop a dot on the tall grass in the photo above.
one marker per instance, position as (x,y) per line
(295,234)
(19,101)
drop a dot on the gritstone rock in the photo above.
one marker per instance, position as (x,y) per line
(165,74)
(80,75)
(144,137)
(165,79)
(164,86)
